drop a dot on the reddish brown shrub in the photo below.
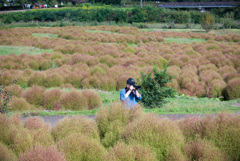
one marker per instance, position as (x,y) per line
(74,79)
(39,131)
(53,80)
(73,100)
(122,81)
(229,76)
(232,91)
(75,125)
(6,154)
(36,78)
(112,120)
(45,65)
(93,99)
(34,95)
(121,151)
(42,154)
(203,150)
(15,90)
(20,104)
(108,83)
(80,147)
(226,69)
(222,131)
(66,86)
(50,97)
(6,78)
(151,131)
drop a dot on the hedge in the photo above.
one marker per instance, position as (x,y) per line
(146,14)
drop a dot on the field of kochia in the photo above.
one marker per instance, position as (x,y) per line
(104,57)
(119,134)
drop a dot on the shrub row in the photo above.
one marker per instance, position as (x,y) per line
(131,135)
(55,99)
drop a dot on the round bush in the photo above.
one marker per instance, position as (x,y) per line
(36,78)
(34,95)
(202,150)
(80,147)
(53,80)
(20,104)
(74,124)
(73,100)
(15,90)
(50,98)
(21,141)
(42,154)
(121,151)
(6,154)
(232,91)
(40,131)
(222,130)
(216,88)
(161,135)
(112,121)
(93,99)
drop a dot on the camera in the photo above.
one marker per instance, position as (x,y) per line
(137,87)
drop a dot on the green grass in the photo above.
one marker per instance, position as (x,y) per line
(218,32)
(45,35)
(183,40)
(99,31)
(17,50)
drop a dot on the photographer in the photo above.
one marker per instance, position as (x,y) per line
(130,95)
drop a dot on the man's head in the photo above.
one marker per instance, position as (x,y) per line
(131,82)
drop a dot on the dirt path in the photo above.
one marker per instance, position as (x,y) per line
(53,120)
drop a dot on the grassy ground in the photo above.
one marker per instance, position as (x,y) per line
(218,32)
(45,35)
(182,40)
(17,50)
(177,105)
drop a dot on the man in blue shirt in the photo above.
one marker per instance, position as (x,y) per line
(130,95)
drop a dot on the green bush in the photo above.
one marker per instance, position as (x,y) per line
(75,125)
(20,104)
(6,154)
(154,89)
(111,121)
(208,21)
(162,136)
(93,99)
(121,151)
(77,147)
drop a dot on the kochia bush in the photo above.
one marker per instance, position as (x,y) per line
(75,125)
(80,147)
(39,153)
(121,151)
(6,154)
(161,135)
(34,95)
(50,97)
(111,121)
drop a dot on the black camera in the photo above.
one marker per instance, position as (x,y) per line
(137,87)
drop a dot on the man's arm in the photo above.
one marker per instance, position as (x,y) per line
(138,95)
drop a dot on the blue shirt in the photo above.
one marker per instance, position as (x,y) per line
(131,100)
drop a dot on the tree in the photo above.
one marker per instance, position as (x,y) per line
(154,89)
(208,21)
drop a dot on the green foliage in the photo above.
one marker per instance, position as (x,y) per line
(77,147)
(75,125)
(208,21)
(112,121)
(154,89)
(161,135)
